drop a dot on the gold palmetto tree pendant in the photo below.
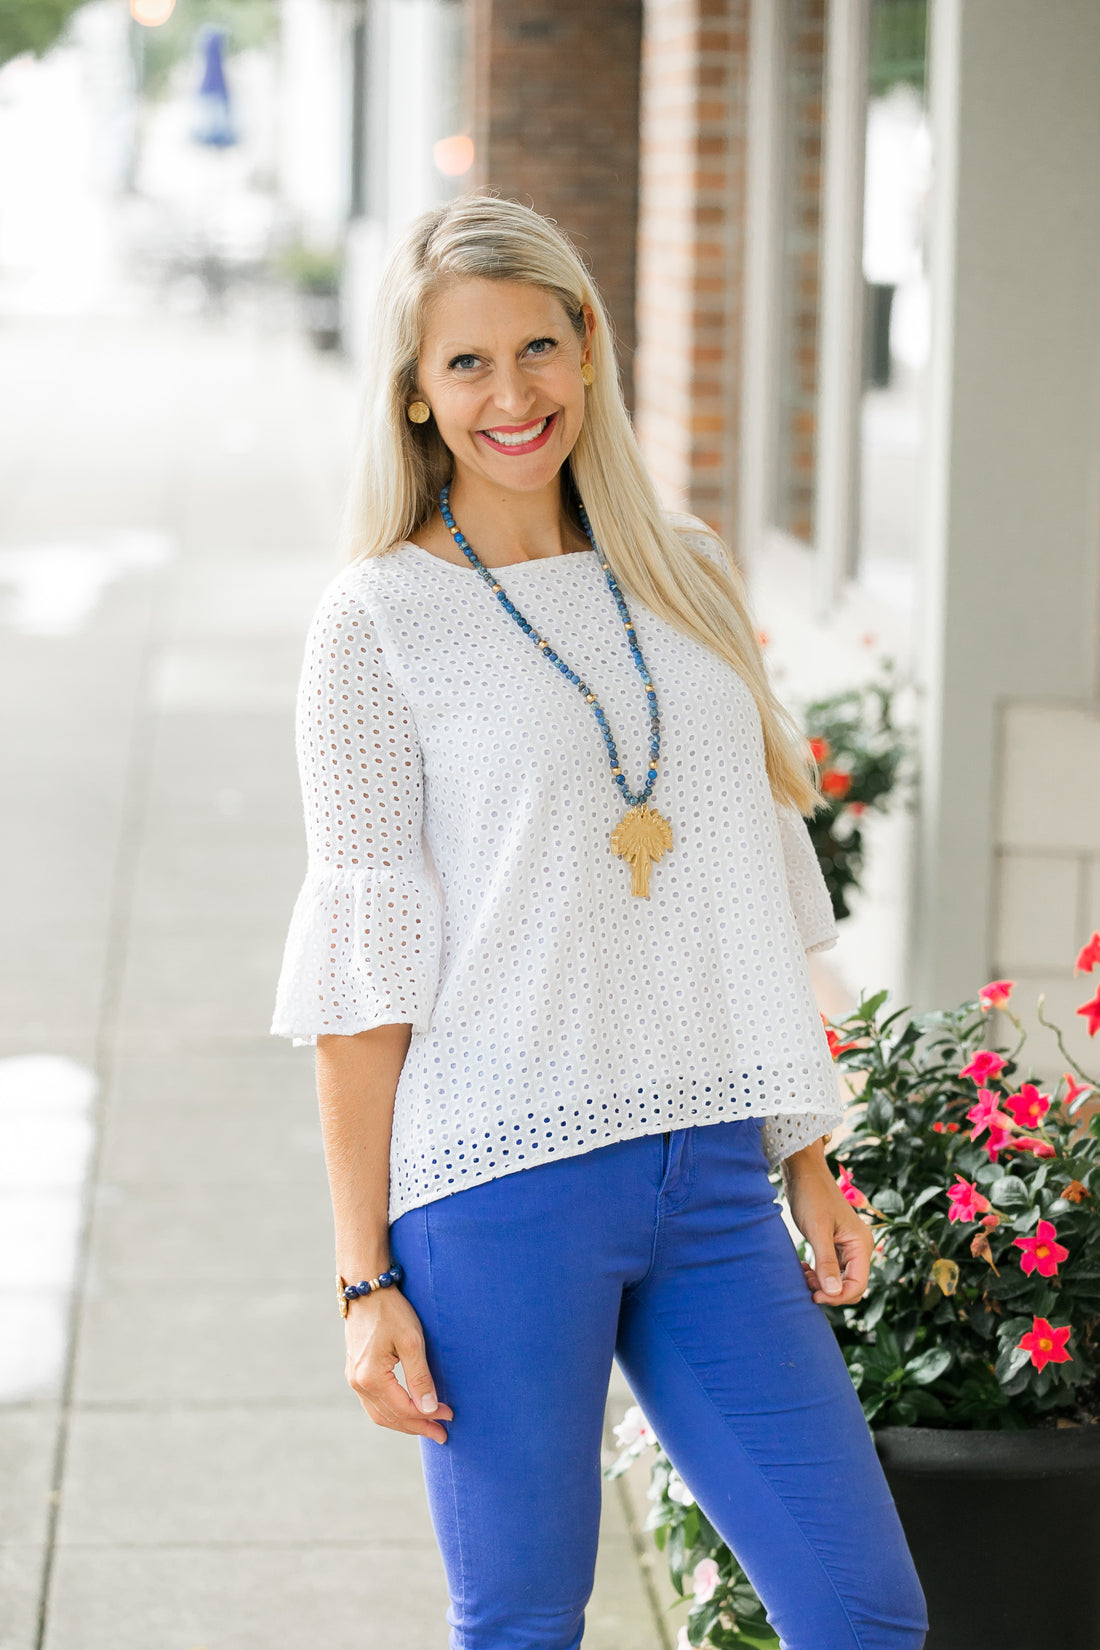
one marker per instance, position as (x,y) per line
(641,836)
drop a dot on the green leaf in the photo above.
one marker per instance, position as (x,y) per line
(870,1006)
(879,1113)
(929,1366)
(891,1203)
(1010,1363)
(886,1345)
(926,1196)
(1009,1192)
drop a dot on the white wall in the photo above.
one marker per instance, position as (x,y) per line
(1011,558)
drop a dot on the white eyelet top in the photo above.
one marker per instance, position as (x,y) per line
(459,807)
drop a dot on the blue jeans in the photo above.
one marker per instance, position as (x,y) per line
(670,1254)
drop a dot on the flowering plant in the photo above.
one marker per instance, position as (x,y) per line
(982,1309)
(725,1611)
(862,757)
(983,1304)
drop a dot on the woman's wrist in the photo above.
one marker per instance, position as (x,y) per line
(809,1159)
(363,1259)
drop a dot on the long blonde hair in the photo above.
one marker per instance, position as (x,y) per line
(400,466)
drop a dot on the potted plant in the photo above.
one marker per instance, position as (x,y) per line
(863,757)
(316,274)
(974,1349)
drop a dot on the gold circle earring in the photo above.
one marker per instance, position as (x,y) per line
(419,412)
(588,372)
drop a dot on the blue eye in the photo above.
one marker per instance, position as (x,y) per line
(461,362)
(541,346)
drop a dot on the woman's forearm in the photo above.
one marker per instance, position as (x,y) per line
(356,1083)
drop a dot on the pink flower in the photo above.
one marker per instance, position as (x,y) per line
(999,1137)
(1028,1143)
(1091,1011)
(984,1064)
(1089,956)
(988,1115)
(634,1431)
(850,1190)
(944,1128)
(1028,1106)
(1041,1253)
(996,993)
(967,1203)
(682,1640)
(1046,1344)
(1074,1090)
(990,1222)
(704,1580)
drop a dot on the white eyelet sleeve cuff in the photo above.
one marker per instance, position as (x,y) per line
(810,902)
(362,951)
(365,938)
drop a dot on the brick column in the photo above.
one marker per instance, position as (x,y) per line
(690,245)
(554,102)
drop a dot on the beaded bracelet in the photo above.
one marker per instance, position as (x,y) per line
(348,1292)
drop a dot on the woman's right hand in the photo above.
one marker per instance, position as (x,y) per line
(381,1331)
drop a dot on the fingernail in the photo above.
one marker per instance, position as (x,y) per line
(429,1402)
(832,1286)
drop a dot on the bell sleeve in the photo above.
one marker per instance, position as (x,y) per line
(365,935)
(810,902)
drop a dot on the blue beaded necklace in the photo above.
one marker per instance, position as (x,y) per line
(642,835)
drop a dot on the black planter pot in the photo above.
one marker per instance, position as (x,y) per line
(1004,1528)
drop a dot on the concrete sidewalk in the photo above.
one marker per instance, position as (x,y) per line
(196,1473)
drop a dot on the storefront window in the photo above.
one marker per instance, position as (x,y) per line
(799,245)
(897,179)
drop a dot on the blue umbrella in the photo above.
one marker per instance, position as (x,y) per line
(214,124)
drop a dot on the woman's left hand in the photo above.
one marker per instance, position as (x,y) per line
(840,1240)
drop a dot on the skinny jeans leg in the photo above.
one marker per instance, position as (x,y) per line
(669,1252)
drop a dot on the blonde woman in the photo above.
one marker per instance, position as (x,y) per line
(551,948)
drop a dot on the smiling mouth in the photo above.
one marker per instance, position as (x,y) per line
(523,439)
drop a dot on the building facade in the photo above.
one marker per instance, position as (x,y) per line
(852,253)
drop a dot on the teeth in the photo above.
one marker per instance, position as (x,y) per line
(520,438)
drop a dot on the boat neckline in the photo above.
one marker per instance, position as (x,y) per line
(588,557)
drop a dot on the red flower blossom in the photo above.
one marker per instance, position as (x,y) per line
(857,808)
(1028,1106)
(1046,1344)
(1028,1143)
(990,1222)
(1091,1011)
(984,1064)
(996,993)
(819,749)
(1088,956)
(1041,1253)
(1074,1090)
(997,1140)
(988,1115)
(835,783)
(835,1045)
(967,1203)
(945,1128)
(850,1190)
